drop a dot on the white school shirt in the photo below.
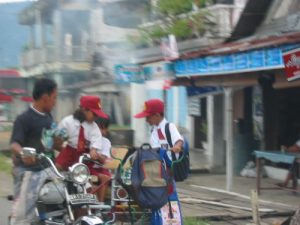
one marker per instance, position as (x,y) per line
(155,142)
(92,132)
(105,150)
(106,146)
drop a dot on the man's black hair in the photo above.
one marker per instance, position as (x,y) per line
(102,122)
(43,86)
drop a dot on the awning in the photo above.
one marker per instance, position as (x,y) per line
(17,91)
(27,99)
(9,73)
(5,98)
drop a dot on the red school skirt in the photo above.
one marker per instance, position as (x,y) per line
(69,156)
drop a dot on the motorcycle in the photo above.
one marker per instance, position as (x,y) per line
(122,209)
(63,195)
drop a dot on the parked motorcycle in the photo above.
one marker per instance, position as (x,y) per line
(64,195)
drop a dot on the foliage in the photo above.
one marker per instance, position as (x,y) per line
(5,163)
(202,3)
(181,29)
(139,40)
(195,221)
(157,32)
(182,18)
(174,7)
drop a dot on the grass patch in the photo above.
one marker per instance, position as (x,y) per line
(5,162)
(119,127)
(195,221)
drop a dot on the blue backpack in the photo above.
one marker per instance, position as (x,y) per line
(150,181)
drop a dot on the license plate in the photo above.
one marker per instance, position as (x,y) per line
(83,199)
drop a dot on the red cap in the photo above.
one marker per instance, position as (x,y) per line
(151,107)
(93,103)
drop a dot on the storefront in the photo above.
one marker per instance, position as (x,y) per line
(254,95)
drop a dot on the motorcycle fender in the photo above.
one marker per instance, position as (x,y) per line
(89,220)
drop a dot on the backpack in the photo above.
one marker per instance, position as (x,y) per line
(150,181)
(181,169)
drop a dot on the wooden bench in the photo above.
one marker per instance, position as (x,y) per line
(276,157)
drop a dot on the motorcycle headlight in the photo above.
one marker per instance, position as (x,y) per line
(80,173)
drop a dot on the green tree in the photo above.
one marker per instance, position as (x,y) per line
(174,7)
(183,18)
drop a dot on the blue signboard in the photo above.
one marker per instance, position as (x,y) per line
(228,62)
(273,57)
(214,63)
(194,91)
(260,59)
(202,65)
(128,73)
(256,59)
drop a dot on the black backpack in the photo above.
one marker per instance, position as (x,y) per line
(181,169)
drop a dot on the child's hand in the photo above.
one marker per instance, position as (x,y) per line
(58,143)
(29,160)
(176,149)
(94,155)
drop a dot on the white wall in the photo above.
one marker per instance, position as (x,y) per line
(138,97)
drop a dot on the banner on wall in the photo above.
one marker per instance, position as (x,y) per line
(292,64)
(159,71)
(252,60)
(128,73)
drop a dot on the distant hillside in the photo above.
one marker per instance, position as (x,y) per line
(13,36)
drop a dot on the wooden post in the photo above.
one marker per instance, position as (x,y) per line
(255,208)
(258,174)
(228,138)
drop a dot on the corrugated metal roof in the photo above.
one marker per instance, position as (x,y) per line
(245,45)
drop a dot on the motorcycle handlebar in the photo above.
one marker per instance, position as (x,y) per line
(42,155)
(87,158)
(31,152)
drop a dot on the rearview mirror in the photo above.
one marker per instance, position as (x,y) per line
(29,151)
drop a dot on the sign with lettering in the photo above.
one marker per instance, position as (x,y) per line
(128,73)
(238,62)
(292,64)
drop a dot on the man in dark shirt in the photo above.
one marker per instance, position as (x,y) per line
(27,129)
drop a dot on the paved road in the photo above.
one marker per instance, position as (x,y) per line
(4,139)
(5,207)
(5,189)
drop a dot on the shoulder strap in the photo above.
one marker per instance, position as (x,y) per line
(167,130)
(169,139)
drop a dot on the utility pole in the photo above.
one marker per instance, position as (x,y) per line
(228,138)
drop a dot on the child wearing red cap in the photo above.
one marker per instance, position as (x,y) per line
(84,134)
(154,113)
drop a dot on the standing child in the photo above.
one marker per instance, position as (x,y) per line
(154,114)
